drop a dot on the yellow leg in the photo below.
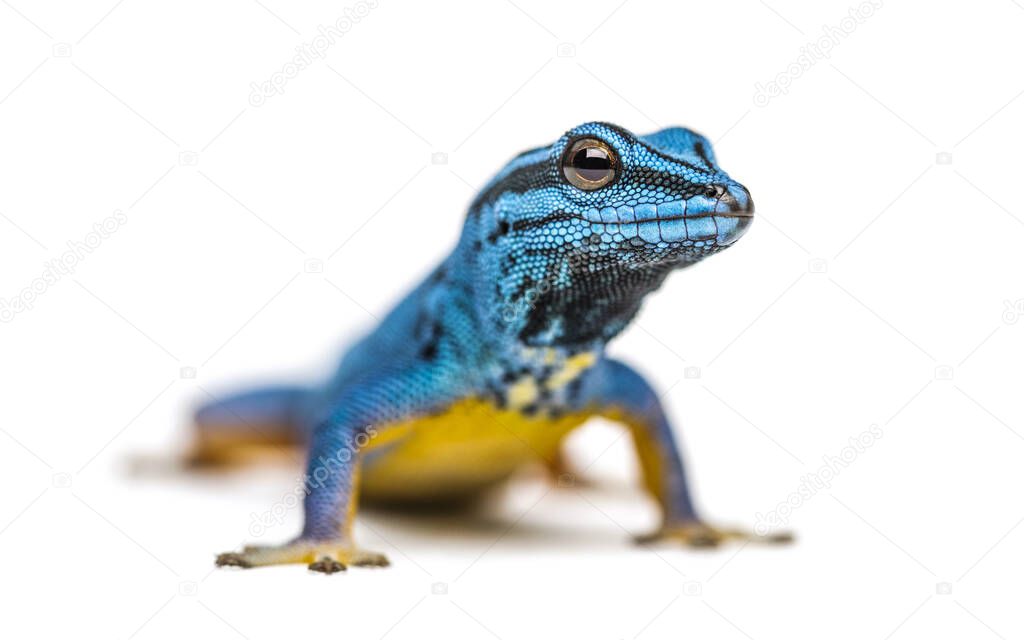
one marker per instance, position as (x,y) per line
(620,393)
(662,477)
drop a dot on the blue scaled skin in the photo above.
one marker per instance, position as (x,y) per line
(500,351)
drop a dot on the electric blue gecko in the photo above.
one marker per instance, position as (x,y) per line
(499,352)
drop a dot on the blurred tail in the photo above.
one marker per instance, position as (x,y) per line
(240,428)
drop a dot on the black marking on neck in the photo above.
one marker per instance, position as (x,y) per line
(596,306)
(519,180)
(702,152)
(498,232)
(428,351)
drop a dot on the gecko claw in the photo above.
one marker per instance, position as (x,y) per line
(327,565)
(322,556)
(232,560)
(703,536)
(369,559)
(782,537)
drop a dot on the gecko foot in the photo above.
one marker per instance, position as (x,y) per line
(700,535)
(327,565)
(321,556)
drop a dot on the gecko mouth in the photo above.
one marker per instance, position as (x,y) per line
(697,216)
(696,219)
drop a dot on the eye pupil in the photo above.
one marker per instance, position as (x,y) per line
(592,164)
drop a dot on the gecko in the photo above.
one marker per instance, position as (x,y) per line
(499,352)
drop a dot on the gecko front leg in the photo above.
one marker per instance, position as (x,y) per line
(326,543)
(618,392)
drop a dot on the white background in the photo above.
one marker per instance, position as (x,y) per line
(877,287)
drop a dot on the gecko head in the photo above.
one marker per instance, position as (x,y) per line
(598,219)
(653,198)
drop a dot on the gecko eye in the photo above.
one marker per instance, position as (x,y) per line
(590,164)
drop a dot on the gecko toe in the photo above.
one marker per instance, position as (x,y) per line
(782,537)
(698,535)
(232,560)
(327,565)
(369,559)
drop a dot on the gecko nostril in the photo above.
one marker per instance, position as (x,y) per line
(736,200)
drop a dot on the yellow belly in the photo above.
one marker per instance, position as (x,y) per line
(463,451)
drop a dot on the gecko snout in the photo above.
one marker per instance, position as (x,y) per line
(735,200)
(734,211)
